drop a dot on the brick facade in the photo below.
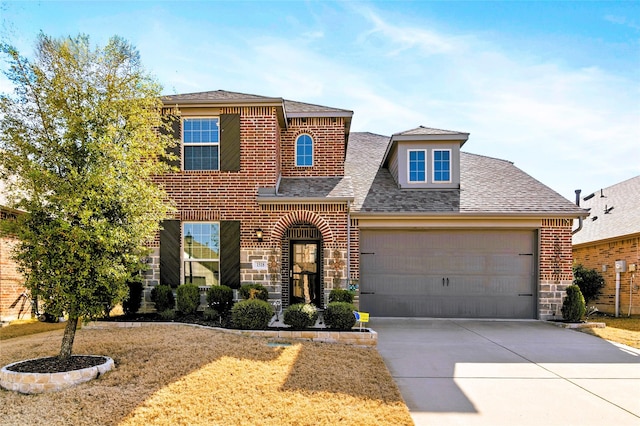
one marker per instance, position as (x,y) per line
(555,272)
(267,152)
(604,254)
(12,305)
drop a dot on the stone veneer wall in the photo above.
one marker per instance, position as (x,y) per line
(600,254)
(555,272)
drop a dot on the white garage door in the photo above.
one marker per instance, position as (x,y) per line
(448,273)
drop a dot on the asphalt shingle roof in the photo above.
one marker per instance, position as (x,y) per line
(422,130)
(215,96)
(329,187)
(488,186)
(622,201)
(222,96)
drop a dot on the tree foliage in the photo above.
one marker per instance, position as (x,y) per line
(590,281)
(79,146)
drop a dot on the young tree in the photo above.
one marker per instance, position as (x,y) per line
(79,146)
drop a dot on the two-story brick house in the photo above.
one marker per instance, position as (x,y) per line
(281,193)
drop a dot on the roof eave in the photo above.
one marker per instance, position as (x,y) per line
(466,215)
(278,103)
(304,200)
(606,240)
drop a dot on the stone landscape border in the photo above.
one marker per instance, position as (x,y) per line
(33,383)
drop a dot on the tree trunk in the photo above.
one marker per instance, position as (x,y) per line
(67,339)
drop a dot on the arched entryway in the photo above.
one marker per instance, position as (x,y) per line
(302,265)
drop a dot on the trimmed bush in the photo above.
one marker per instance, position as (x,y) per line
(340,295)
(131,305)
(573,306)
(220,298)
(339,316)
(590,281)
(188,296)
(301,316)
(168,315)
(251,314)
(162,298)
(211,314)
(254,291)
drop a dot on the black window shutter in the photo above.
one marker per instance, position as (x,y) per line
(175,124)
(230,253)
(170,253)
(230,142)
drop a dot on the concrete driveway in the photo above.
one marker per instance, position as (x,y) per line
(474,372)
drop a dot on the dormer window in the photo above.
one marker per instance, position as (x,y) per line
(417,165)
(304,151)
(442,165)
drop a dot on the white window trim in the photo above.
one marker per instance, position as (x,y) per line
(313,148)
(185,251)
(433,166)
(182,156)
(426,162)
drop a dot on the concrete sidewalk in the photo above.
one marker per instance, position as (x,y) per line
(474,372)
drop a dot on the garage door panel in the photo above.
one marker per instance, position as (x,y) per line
(448,273)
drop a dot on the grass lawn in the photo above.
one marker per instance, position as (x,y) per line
(175,375)
(624,330)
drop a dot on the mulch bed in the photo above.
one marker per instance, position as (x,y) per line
(56,365)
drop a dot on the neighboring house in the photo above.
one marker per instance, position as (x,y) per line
(12,304)
(281,193)
(609,242)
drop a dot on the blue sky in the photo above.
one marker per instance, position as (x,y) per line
(552,86)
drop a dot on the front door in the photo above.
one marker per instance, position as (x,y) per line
(304,283)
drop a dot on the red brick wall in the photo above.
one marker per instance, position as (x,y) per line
(596,255)
(217,195)
(328,147)
(12,306)
(556,257)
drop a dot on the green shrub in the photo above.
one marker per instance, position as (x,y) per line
(188,298)
(339,315)
(168,315)
(254,291)
(162,298)
(340,295)
(131,304)
(251,314)
(573,306)
(590,281)
(301,316)
(220,298)
(211,314)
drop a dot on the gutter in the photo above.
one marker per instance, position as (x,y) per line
(580,218)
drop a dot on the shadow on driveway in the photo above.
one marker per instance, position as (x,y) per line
(508,372)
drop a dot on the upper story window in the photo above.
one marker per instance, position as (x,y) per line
(442,165)
(304,151)
(201,138)
(201,253)
(417,165)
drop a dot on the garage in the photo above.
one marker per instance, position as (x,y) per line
(448,273)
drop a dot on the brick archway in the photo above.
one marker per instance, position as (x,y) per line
(302,216)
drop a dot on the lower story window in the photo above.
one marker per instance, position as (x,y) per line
(201,253)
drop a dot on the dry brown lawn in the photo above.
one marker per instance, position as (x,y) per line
(179,375)
(27,327)
(624,330)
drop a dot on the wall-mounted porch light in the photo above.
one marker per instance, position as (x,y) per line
(259,235)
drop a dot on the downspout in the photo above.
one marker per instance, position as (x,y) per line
(578,191)
(348,244)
